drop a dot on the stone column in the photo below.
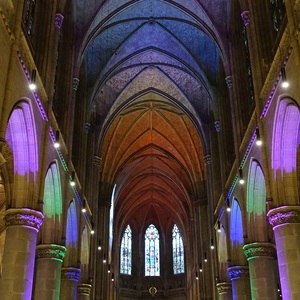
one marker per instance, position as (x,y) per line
(239,276)
(49,259)
(224,291)
(69,281)
(262,270)
(19,252)
(83,291)
(285,221)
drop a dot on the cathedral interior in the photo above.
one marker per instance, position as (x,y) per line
(149,149)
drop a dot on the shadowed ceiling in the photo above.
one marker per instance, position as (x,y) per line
(152,69)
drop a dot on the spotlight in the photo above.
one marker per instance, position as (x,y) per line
(241,181)
(284,82)
(112,277)
(56,143)
(258,139)
(32,84)
(99,245)
(83,209)
(200,268)
(197,277)
(205,257)
(228,205)
(72,181)
(104,258)
(212,247)
(108,268)
(219,226)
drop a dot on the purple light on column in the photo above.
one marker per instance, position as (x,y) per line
(236,225)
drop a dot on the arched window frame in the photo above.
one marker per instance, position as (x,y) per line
(178,251)
(126,252)
(152,253)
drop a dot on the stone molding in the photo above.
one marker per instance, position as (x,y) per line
(207,159)
(50,251)
(224,288)
(229,81)
(257,249)
(75,83)
(97,161)
(237,272)
(284,215)
(59,18)
(23,217)
(70,273)
(217,126)
(246,17)
(84,289)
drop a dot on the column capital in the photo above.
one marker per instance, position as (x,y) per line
(70,273)
(50,251)
(284,215)
(254,250)
(229,81)
(84,288)
(23,217)
(224,288)
(59,18)
(207,159)
(237,272)
(75,83)
(246,17)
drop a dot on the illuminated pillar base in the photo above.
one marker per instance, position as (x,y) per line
(262,270)
(285,221)
(224,291)
(19,253)
(239,276)
(48,271)
(69,281)
(83,291)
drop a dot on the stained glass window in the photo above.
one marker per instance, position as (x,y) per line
(152,251)
(178,252)
(126,253)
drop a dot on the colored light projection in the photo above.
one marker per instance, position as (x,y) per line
(152,251)
(256,203)
(222,250)
(286,140)
(236,225)
(126,252)
(21,137)
(84,254)
(71,233)
(52,208)
(178,251)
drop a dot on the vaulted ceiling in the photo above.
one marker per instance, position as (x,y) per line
(152,71)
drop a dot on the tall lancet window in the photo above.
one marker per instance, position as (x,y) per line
(152,251)
(126,253)
(178,252)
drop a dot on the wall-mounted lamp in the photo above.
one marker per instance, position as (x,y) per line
(212,247)
(99,245)
(83,208)
(72,181)
(56,142)
(219,227)
(284,82)
(228,208)
(241,180)
(197,277)
(258,139)
(108,268)
(112,277)
(92,228)
(32,84)
(104,258)
(200,268)
(205,257)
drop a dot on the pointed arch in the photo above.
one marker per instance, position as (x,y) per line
(284,150)
(84,255)
(236,224)
(20,135)
(71,235)
(178,251)
(126,252)
(256,203)
(152,253)
(52,209)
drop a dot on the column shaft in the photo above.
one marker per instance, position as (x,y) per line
(48,271)
(83,291)
(19,253)
(224,291)
(69,281)
(262,270)
(239,276)
(286,225)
